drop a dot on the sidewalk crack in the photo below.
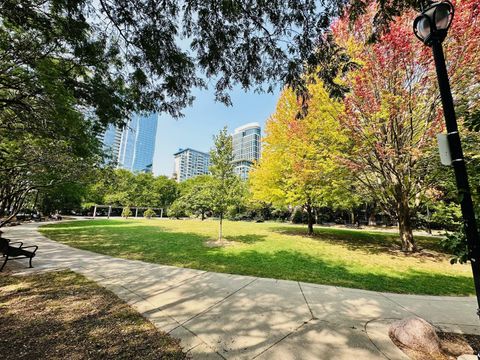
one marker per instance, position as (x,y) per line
(219,302)
(306,302)
(283,338)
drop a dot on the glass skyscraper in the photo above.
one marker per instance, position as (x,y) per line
(246,148)
(133,146)
(111,142)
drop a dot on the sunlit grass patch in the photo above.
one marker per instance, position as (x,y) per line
(351,258)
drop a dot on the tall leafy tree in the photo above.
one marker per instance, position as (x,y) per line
(299,164)
(165,191)
(392,112)
(389,119)
(197,195)
(224,183)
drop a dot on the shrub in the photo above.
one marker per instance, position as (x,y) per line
(149,213)
(446,216)
(281,214)
(178,209)
(297,217)
(456,244)
(126,212)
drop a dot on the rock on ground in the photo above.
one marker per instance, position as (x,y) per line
(416,334)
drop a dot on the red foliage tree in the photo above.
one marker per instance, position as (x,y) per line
(392,112)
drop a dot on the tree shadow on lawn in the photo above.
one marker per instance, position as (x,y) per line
(80,224)
(371,242)
(188,250)
(296,266)
(246,239)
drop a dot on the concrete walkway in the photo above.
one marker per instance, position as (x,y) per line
(222,316)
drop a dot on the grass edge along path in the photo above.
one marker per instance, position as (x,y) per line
(341,257)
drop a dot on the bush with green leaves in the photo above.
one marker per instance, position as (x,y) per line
(149,213)
(281,214)
(126,212)
(178,209)
(446,216)
(456,244)
(297,217)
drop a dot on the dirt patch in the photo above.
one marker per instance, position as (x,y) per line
(421,254)
(218,243)
(62,315)
(452,346)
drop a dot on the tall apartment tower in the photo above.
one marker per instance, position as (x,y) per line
(246,148)
(111,140)
(133,146)
(190,163)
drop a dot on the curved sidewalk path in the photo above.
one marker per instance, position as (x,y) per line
(222,316)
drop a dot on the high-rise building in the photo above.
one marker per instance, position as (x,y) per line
(246,148)
(111,139)
(190,163)
(133,146)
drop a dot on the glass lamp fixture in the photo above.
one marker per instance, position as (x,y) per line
(433,23)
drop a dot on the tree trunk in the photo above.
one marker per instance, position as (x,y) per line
(310,219)
(220,228)
(203,215)
(405,227)
(352,217)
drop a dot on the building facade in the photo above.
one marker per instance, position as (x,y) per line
(111,140)
(190,163)
(133,146)
(246,148)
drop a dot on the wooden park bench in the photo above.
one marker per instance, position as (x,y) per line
(12,252)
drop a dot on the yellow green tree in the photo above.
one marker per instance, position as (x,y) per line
(300,159)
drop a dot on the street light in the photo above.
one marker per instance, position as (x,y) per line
(431,27)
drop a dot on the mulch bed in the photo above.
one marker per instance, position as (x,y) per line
(452,346)
(62,315)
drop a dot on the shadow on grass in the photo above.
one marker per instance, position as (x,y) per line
(76,224)
(247,239)
(152,244)
(372,242)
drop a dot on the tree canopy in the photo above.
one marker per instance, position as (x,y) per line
(300,160)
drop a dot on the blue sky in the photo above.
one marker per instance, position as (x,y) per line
(203,120)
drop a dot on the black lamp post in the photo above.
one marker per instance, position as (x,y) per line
(431,27)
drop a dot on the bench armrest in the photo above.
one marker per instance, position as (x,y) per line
(33,246)
(16,242)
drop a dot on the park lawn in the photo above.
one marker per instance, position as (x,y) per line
(342,257)
(62,315)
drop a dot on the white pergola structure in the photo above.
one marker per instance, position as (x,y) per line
(109,207)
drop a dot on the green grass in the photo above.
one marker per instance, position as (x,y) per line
(349,258)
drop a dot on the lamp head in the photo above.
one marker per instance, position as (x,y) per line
(433,23)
